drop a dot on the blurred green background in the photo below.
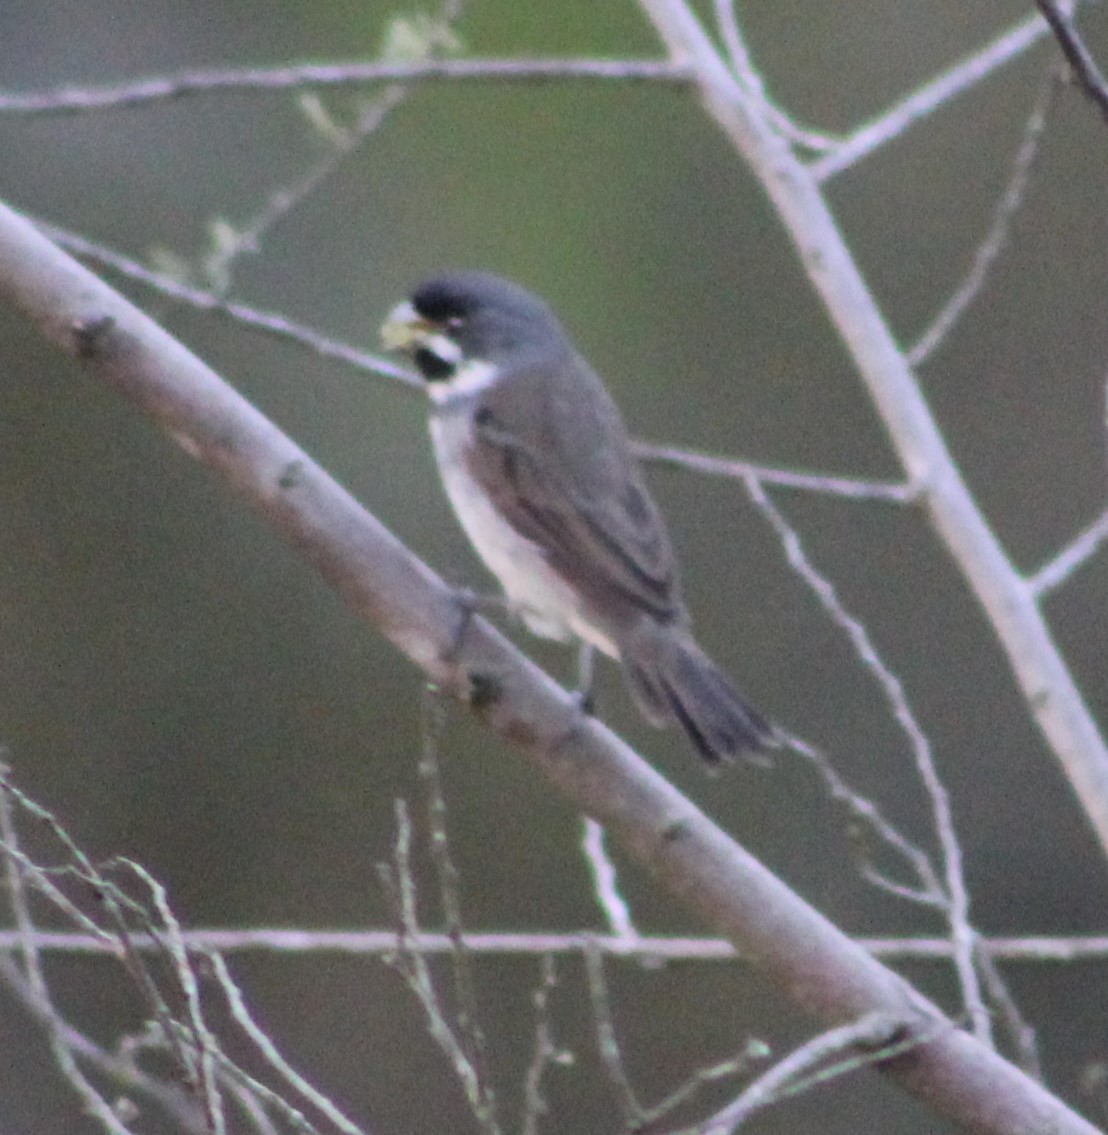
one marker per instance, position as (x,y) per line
(182,689)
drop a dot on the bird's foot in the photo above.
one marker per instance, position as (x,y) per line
(469,603)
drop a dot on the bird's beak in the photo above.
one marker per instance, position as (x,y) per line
(405,328)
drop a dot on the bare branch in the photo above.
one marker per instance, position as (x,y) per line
(413,967)
(1052,575)
(431,38)
(754,1051)
(92,1101)
(265,1046)
(467,1011)
(1080,59)
(121,912)
(784,478)
(932,96)
(1051,694)
(872,1038)
(867,822)
(957,895)
(546,1053)
(201,1039)
(1032,948)
(997,236)
(607,1042)
(158,88)
(199,1064)
(247,238)
(119,1067)
(206,300)
(743,66)
(606,882)
(1012,1021)
(840,154)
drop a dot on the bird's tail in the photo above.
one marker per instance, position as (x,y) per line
(672,679)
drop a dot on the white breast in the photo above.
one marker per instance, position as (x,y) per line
(543,600)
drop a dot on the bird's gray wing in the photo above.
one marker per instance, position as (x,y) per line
(594,520)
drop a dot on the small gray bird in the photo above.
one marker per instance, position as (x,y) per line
(538,466)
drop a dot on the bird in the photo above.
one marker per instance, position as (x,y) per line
(540,471)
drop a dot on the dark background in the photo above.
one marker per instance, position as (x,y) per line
(180,688)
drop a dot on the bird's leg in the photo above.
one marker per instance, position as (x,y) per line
(586,678)
(483,687)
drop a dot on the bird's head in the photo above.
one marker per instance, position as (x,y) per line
(461,328)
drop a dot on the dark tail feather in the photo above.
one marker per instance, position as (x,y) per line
(672,679)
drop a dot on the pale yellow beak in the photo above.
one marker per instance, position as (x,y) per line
(405,328)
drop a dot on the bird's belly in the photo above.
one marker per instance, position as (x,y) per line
(545,602)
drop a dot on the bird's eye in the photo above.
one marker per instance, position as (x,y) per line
(454,323)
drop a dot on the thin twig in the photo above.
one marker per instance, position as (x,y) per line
(1078,56)
(158,88)
(754,1051)
(892,688)
(202,1039)
(1012,1020)
(119,1067)
(546,1052)
(742,64)
(997,236)
(728,23)
(867,819)
(116,906)
(874,1037)
(607,1041)
(264,1044)
(280,203)
(92,1101)
(430,38)
(121,909)
(606,881)
(400,887)
(1052,575)
(852,489)
(934,95)
(252,1107)
(232,1074)
(467,1009)
(206,300)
